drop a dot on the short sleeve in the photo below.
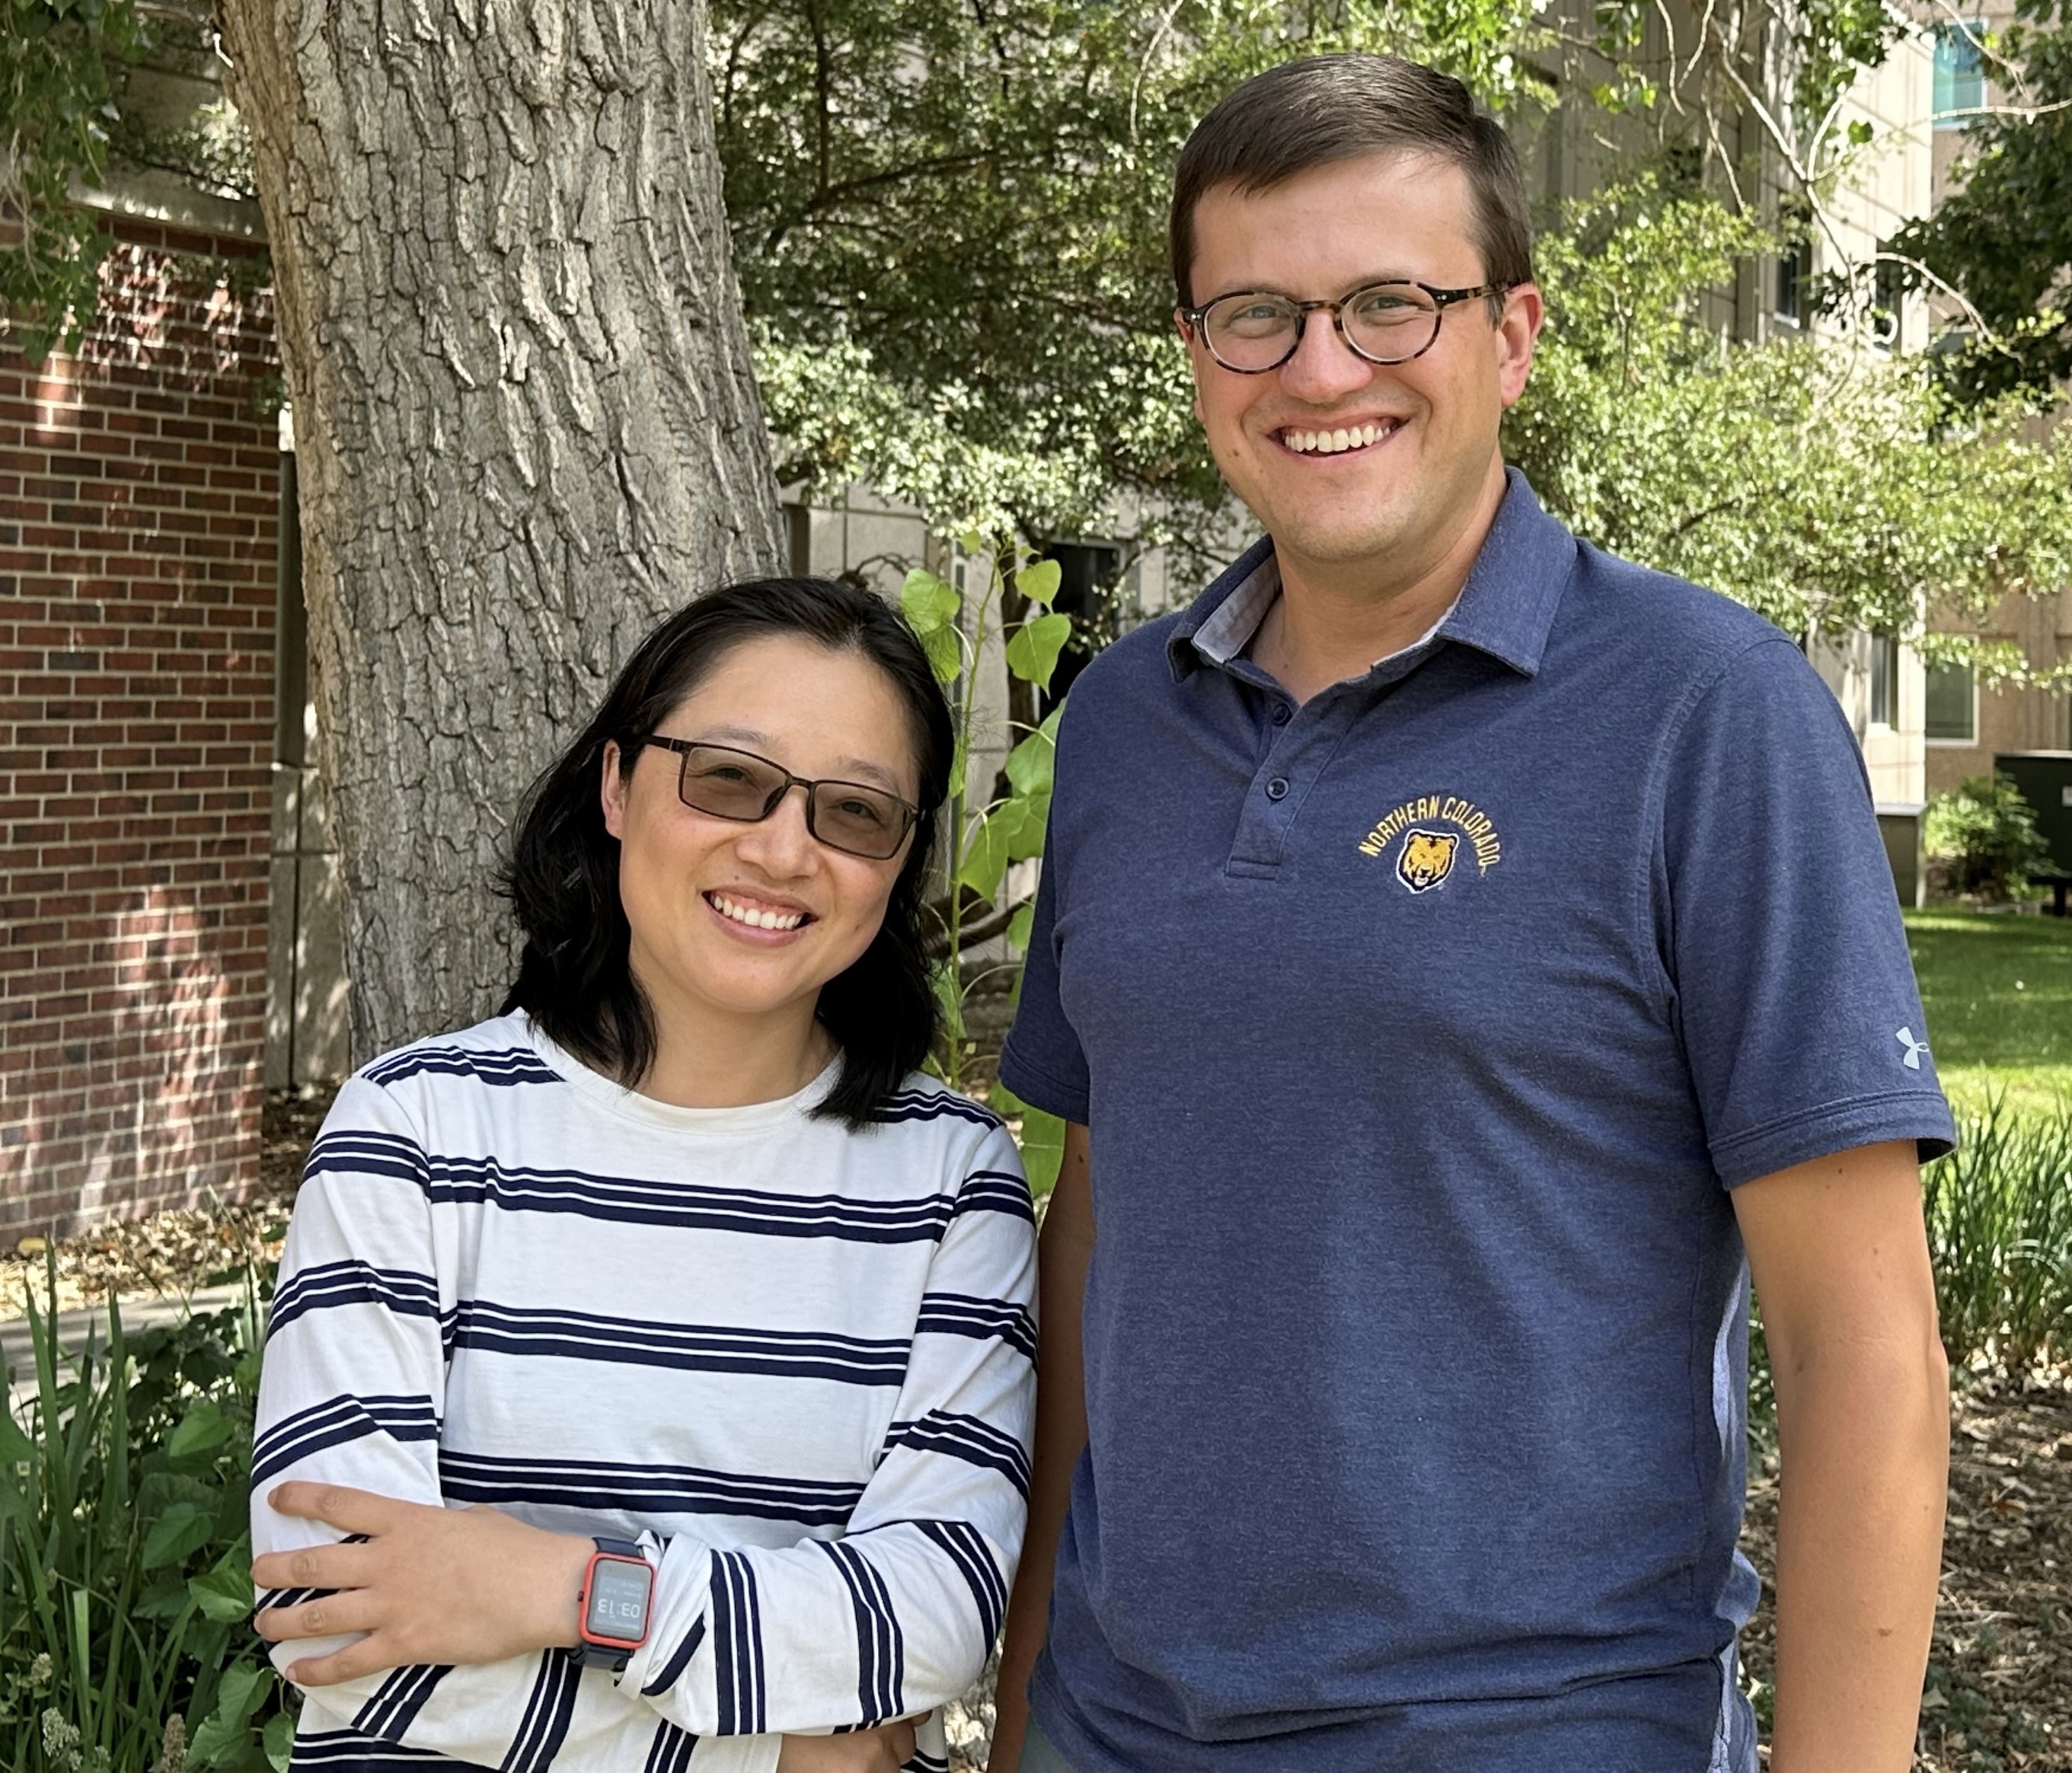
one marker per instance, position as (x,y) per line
(1780,929)
(1042,1060)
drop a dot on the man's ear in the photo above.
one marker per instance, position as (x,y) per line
(1193,364)
(611,789)
(1517,333)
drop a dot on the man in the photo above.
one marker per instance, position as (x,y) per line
(1437,1035)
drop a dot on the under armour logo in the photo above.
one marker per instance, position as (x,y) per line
(1911,1058)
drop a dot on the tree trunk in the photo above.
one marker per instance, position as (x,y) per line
(525,421)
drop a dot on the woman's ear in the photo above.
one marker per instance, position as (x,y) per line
(611,789)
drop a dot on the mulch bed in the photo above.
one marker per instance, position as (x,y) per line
(1999,1695)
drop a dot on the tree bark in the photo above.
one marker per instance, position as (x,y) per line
(526,424)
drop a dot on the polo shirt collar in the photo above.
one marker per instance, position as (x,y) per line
(1505,609)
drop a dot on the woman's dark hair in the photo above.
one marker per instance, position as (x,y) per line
(573,978)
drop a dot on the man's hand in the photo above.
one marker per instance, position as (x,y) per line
(1066,1249)
(430,1585)
(884,1749)
(1840,1261)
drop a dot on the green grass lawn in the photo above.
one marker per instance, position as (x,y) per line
(1997,989)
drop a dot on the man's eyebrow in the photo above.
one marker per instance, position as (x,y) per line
(852,768)
(1268,286)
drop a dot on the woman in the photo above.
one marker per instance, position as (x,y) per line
(661,1348)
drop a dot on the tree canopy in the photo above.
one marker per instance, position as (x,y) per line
(2005,237)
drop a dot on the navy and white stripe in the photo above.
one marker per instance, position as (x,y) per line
(909,1105)
(971,1438)
(512,1065)
(983,1319)
(880,1648)
(581,1336)
(965,1547)
(680,1659)
(547,1714)
(681,1206)
(602,1487)
(922,1762)
(351,1751)
(736,1645)
(353,1282)
(670,1752)
(398,1700)
(335,1422)
(997,1191)
(690,1327)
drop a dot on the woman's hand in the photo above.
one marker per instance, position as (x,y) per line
(429,1585)
(884,1749)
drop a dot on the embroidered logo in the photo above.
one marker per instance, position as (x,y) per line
(1427,858)
(1431,836)
(1916,1050)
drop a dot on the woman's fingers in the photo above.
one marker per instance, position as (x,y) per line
(325,1616)
(369,1655)
(340,1506)
(312,1566)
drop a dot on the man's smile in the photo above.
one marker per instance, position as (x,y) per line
(1337,440)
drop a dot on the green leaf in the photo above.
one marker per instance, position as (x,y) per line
(242,1691)
(1020,925)
(216,1743)
(1033,648)
(225,1592)
(15,1445)
(990,849)
(1860,133)
(1042,1139)
(1030,764)
(279,1741)
(946,658)
(202,1428)
(929,603)
(182,1529)
(1039,580)
(1026,844)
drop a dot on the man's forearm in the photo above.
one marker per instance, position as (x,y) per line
(1864,1442)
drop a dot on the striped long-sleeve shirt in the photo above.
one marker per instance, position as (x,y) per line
(800,1358)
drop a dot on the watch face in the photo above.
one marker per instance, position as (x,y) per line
(618,1610)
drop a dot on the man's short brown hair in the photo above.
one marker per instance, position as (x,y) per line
(1325,109)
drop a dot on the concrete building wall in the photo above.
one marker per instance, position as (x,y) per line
(139,494)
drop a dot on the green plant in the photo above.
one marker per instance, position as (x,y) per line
(1985,833)
(2000,1234)
(125,1591)
(988,833)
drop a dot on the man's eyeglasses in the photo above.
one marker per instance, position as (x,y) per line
(1252,331)
(738,784)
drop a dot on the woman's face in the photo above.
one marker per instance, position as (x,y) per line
(699,890)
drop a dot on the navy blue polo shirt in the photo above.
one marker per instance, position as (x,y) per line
(1422,1031)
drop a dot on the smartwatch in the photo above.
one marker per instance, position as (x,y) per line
(618,1594)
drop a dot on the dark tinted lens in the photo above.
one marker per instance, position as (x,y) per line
(728,784)
(856,819)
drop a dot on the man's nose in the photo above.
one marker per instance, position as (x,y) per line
(1324,367)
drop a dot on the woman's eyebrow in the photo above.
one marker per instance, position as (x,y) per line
(850,768)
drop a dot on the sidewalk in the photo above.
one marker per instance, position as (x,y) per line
(74,1327)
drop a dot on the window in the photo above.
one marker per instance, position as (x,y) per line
(1888,298)
(1794,282)
(1951,710)
(1885,680)
(1960,79)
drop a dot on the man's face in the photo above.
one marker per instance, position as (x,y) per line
(1399,504)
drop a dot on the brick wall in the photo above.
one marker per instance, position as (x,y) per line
(138,496)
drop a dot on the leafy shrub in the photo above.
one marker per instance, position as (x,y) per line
(2000,1231)
(124,1555)
(1984,834)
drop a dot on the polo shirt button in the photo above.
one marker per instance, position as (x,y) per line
(1277,789)
(1279,716)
